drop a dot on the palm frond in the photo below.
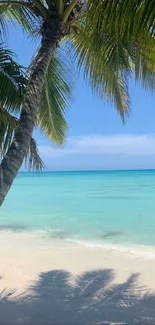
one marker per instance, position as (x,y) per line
(28,18)
(32,160)
(106,66)
(112,86)
(12,81)
(3,23)
(8,123)
(144,67)
(56,97)
(109,54)
(131,18)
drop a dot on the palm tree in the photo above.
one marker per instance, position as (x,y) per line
(109,39)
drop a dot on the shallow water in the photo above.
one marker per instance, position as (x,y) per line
(93,207)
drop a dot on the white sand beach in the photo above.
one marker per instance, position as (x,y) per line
(55,282)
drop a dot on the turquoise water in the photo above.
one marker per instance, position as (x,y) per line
(94,207)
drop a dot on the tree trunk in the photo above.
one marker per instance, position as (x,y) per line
(53,30)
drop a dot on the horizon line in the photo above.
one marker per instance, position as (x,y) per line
(87,170)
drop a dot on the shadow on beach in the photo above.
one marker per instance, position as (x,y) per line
(57,297)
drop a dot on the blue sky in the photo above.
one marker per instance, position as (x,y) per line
(97,139)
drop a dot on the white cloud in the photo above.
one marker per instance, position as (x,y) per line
(126,145)
(49,151)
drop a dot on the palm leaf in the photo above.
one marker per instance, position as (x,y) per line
(12,81)
(8,124)
(56,97)
(27,17)
(108,55)
(144,67)
(106,67)
(130,18)
(33,160)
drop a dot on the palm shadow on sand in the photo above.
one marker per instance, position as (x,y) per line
(59,298)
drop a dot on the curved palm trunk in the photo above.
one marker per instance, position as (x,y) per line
(52,33)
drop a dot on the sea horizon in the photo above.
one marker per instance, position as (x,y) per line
(86,170)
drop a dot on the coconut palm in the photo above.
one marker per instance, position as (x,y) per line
(109,39)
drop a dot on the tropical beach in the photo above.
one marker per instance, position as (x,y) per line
(70,264)
(77,162)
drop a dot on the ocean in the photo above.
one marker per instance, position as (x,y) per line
(89,207)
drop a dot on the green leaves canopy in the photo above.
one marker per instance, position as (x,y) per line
(56,96)
(110,45)
(110,40)
(12,85)
(12,81)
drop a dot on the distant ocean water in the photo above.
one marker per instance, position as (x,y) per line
(92,207)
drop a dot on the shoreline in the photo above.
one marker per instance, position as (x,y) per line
(43,237)
(147,252)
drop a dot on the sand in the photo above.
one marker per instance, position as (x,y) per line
(43,282)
